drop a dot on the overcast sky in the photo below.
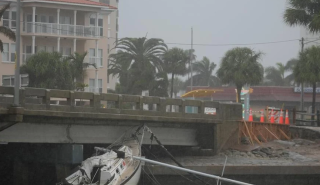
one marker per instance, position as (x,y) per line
(214,22)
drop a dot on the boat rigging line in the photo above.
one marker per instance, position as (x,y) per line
(190,171)
(175,171)
(169,154)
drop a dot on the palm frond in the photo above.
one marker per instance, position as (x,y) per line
(3,9)
(8,33)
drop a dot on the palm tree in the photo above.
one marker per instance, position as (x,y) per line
(304,13)
(49,70)
(175,61)
(290,65)
(4,30)
(276,74)
(240,66)
(203,77)
(78,69)
(120,68)
(308,70)
(178,85)
(143,56)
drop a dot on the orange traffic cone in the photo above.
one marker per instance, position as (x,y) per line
(287,118)
(250,115)
(281,117)
(262,116)
(272,117)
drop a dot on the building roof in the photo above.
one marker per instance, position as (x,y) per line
(261,93)
(84,2)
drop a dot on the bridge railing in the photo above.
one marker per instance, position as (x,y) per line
(41,99)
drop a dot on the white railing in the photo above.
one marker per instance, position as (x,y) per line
(25,57)
(62,29)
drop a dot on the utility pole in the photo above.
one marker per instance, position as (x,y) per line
(191,59)
(191,70)
(302,84)
(17,68)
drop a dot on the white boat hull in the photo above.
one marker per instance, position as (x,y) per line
(134,180)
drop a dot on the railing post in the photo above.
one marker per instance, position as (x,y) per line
(201,108)
(96,101)
(46,99)
(162,105)
(294,112)
(318,118)
(140,103)
(22,97)
(120,101)
(182,107)
(71,101)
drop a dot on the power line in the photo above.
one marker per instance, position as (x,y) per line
(37,24)
(240,44)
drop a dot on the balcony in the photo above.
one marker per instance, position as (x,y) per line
(62,29)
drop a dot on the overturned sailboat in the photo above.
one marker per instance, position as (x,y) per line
(110,166)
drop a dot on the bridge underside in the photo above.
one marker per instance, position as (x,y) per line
(67,133)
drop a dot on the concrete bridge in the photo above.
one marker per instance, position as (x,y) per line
(37,120)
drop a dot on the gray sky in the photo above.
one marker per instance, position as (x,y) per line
(214,22)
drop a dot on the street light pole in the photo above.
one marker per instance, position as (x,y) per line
(302,84)
(17,67)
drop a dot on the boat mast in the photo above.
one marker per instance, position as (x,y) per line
(190,171)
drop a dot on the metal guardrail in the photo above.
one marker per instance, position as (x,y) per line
(306,122)
(39,99)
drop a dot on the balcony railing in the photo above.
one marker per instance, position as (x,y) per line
(62,29)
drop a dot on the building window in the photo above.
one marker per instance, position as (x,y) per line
(92,21)
(8,54)
(8,80)
(100,85)
(92,85)
(9,19)
(100,24)
(5,53)
(109,32)
(108,76)
(92,56)
(13,52)
(108,48)
(100,57)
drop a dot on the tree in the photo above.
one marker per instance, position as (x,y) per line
(121,68)
(308,70)
(290,65)
(49,70)
(78,67)
(203,76)
(178,85)
(175,61)
(240,66)
(4,30)
(304,13)
(141,57)
(276,74)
